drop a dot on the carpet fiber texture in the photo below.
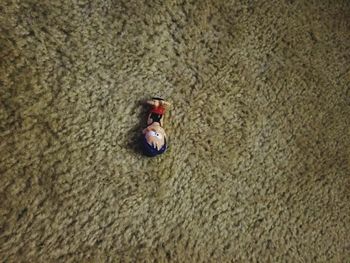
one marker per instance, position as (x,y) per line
(258,168)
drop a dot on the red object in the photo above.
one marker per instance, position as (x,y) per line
(158,110)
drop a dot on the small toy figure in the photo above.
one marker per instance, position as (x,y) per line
(154,137)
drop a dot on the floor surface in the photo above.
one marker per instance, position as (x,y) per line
(258,165)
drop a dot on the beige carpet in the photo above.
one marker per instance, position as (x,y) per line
(258,168)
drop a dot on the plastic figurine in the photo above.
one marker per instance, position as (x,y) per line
(154,137)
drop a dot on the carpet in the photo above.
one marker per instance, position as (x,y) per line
(258,165)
